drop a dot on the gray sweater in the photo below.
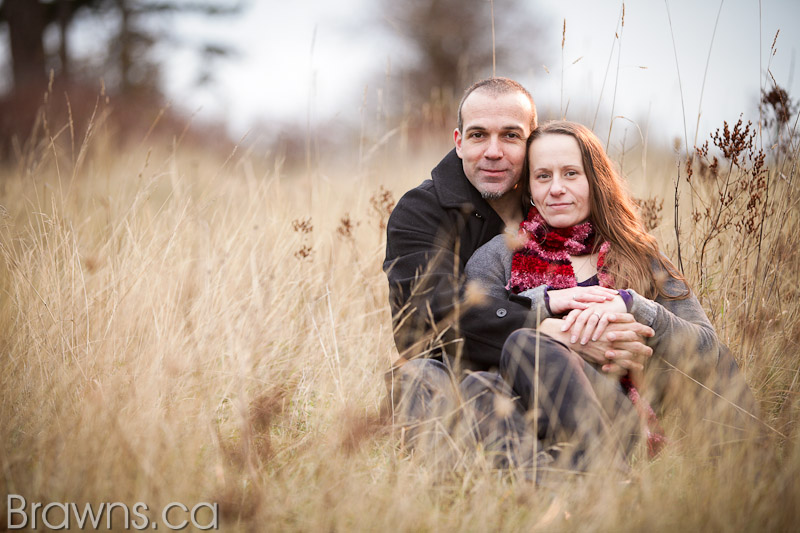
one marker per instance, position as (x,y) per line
(683,334)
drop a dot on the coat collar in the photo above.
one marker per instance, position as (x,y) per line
(454,189)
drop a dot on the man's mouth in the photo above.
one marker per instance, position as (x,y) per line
(493,171)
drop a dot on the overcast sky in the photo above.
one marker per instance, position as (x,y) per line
(317,56)
(279,76)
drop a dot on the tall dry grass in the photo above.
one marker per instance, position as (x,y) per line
(182,327)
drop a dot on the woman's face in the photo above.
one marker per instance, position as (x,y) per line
(559,186)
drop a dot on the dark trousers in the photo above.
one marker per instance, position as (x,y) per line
(442,419)
(570,402)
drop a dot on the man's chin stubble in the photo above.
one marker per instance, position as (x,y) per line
(494,195)
(487,195)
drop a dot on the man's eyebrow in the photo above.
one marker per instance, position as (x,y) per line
(511,127)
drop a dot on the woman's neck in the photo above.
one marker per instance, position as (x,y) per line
(584,266)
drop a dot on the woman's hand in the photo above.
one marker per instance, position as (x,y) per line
(590,323)
(563,300)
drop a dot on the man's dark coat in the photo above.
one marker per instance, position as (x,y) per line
(432,232)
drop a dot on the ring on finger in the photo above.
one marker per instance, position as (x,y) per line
(597,315)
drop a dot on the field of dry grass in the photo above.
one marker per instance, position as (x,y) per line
(178,327)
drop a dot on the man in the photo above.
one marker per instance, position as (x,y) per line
(473,195)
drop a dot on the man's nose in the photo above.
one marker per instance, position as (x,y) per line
(493,150)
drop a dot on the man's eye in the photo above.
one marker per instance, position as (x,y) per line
(514,135)
(476,135)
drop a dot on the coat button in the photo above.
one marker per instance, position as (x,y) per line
(478,215)
(501,312)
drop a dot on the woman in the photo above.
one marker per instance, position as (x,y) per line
(595,278)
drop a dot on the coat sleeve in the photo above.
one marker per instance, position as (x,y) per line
(427,287)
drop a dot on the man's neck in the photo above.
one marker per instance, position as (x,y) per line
(508,207)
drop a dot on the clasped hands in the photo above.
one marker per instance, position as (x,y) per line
(598,327)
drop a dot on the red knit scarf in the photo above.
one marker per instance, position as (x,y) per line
(544,259)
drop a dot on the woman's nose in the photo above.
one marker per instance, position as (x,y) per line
(557,186)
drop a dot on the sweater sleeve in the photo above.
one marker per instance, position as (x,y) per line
(684,337)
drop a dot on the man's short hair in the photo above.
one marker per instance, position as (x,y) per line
(496,87)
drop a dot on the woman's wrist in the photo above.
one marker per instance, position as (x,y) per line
(547,301)
(627,298)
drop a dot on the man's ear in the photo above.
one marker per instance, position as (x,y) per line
(457,139)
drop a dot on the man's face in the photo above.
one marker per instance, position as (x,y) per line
(492,144)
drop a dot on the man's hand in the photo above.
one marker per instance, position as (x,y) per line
(628,353)
(563,300)
(621,348)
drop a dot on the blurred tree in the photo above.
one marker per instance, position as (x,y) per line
(26,20)
(129,60)
(39,34)
(452,45)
